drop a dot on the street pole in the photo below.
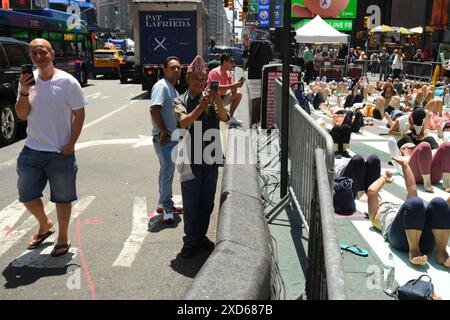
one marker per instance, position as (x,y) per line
(285,100)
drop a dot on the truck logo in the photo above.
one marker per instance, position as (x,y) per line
(160,44)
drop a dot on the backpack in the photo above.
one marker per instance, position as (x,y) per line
(344,198)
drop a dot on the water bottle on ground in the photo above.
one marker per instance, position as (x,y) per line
(447,100)
(389,276)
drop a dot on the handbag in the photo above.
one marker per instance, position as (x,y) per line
(344,198)
(416,289)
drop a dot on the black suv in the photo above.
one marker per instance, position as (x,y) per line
(13,54)
(127,69)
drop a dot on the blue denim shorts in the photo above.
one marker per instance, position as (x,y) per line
(35,168)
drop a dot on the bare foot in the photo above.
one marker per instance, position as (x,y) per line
(443,258)
(429,189)
(447,190)
(43,229)
(416,258)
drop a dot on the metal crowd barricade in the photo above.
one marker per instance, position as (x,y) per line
(418,70)
(311,181)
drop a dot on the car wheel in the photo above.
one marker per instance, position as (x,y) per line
(83,77)
(8,123)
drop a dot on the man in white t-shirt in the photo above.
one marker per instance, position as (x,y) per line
(54,109)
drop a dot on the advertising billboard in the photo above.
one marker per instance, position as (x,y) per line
(335,9)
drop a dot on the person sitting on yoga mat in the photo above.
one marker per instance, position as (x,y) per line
(411,227)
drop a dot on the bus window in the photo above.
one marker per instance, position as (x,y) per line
(16,55)
(71,50)
(81,52)
(58,47)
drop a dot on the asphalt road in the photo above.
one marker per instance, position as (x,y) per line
(113,254)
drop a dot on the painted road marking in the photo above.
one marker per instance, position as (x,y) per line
(8,241)
(7,164)
(9,217)
(41,258)
(94,95)
(108,115)
(133,244)
(137,142)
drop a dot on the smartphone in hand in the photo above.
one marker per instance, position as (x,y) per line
(214,86)
(28,69)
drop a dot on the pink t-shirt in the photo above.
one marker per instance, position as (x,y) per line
(216,74)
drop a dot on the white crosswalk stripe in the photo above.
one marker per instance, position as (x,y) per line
(12,238)
(9,217)
(139,231)
(41,258)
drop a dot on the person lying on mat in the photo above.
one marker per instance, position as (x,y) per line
(363,172)
(428,166)
(411,227)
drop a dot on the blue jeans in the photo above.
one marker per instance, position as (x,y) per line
(413,215)
(166,171)
(384,71)
(35,168)
(198,202)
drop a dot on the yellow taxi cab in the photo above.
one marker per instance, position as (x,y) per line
(107,62)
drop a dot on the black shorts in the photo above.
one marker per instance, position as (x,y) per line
(447,74)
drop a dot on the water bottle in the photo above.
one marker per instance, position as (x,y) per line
(389,276)
(447,100)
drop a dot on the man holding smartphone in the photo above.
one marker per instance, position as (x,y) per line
(52,102)
(227,87)
(196,109)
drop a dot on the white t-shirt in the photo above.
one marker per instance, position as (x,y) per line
(403,123)
(50,120)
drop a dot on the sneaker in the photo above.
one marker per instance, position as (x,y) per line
(345,154)
(337,155)
(177,209)
(167,216)
(234,121)
(187,251)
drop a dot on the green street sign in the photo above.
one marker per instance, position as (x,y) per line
(253,8)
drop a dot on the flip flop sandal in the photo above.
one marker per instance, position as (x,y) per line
(39,238)
(355,249)
(60,249)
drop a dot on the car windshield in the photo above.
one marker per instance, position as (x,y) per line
(104,55)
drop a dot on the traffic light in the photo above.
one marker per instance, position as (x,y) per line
(241,16)
(292,42)
(225,3)
(366,22)
(116,10)
(245,6)
(231,5)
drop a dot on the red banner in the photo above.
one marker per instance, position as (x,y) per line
(439,16)
(5,4)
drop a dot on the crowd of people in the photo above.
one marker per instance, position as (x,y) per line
(416,117)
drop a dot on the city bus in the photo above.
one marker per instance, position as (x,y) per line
(72,40)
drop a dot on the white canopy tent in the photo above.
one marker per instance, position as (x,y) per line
(318,31)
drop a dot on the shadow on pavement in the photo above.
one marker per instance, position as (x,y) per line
(190,267)
(21,276)
(143,96)
(156,225)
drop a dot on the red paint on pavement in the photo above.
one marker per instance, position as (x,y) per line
(93,221)
(84,264)
(7,230)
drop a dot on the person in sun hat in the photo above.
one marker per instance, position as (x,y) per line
(199,111)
